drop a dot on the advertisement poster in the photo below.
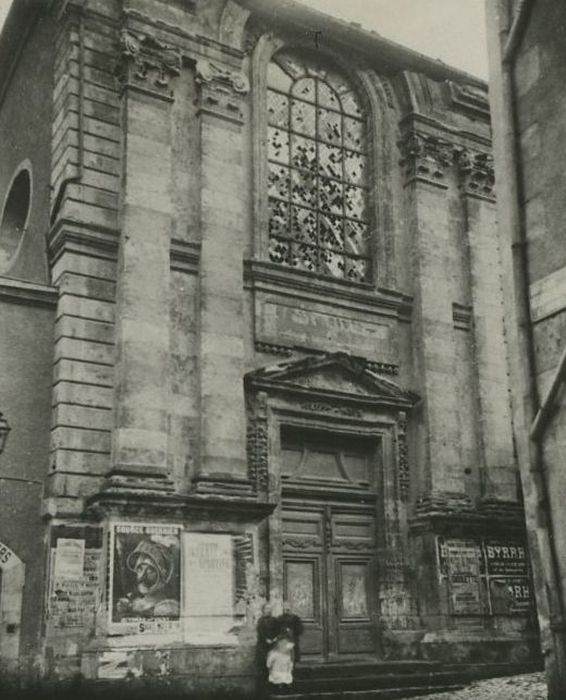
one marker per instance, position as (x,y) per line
(460,561)
(209,574)
(69,559)
(146,577)
(505,558)
(503,566)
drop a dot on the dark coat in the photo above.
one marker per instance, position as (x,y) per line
(267,630)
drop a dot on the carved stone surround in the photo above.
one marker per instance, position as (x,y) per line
(334,387)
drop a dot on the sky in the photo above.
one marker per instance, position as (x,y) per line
(452,30)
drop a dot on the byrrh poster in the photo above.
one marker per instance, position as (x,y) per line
(145,577)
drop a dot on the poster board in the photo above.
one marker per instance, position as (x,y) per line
(209,573)
(145,578)
(486,576)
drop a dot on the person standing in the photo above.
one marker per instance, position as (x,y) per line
(280,663)
(267,631)
(288,620)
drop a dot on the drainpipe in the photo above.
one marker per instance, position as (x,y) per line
(531,454)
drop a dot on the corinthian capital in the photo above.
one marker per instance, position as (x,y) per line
(426,158)
(477,175)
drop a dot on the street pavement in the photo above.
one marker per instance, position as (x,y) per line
(528,686)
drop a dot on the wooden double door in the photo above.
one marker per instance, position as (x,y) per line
(329,569)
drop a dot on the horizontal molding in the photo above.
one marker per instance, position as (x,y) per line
(78,237)
(28,293)
(462,316)
(184,256)
(270,278)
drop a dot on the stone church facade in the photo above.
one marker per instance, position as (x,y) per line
(251,272)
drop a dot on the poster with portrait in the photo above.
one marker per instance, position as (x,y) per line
(145,577)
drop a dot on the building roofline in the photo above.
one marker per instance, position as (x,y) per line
(18,24)
(393,57)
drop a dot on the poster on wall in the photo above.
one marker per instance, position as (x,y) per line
(506,558)
(209,574)
(69,559)
(486,575)
(463,568)
(460,561)
(145,581)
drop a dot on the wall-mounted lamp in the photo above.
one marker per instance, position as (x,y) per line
(4,430)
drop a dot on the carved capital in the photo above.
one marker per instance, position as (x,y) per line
(221,90)
(145,59)
(477,175)
(426,158)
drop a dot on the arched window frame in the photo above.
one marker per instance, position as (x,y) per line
(381,139)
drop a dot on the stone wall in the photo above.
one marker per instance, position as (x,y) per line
(182,351)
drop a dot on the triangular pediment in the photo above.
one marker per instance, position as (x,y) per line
(332,374)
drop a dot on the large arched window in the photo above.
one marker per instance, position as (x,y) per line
(317,165)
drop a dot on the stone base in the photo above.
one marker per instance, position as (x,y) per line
(224,484)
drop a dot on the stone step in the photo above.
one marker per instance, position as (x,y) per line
(374,694)
(382,680)
(341,669)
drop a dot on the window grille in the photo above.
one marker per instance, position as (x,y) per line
(317,170)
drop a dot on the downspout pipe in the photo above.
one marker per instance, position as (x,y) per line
(517,29)
(533,459)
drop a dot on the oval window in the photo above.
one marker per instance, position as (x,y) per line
(15,217)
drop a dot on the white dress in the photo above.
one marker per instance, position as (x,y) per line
(280,664)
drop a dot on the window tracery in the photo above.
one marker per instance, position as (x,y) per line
(317,170)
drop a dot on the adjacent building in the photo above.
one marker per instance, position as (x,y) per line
(527,67)
(253,346)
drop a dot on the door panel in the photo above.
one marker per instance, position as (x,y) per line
(355,632)
(329,576)
(302,584)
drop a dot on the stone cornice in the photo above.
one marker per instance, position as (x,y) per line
(192,508)
(184,40)
(69,236)
(448,512)
(28,293)
(270,278)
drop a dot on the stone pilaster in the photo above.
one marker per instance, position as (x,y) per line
(499,478)
(139,445)
(223,466)
(427,163)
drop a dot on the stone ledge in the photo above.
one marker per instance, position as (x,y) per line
(28,293)
(176,507)
(445,513)
(271,278)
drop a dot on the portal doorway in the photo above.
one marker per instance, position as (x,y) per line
(329,540)
(329,573)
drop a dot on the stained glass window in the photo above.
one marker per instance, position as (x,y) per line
(318,179)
